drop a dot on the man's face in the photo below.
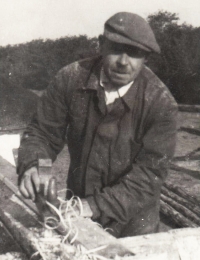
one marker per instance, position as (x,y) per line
(121,62)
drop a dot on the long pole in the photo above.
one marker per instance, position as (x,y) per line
(61,229)
(16,191)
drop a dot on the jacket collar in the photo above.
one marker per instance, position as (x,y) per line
(91,74)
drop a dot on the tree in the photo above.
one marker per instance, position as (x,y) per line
(178,64)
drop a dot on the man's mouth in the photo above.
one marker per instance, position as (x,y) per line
(120,72)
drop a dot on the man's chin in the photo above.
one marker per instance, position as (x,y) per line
(119,82)
(119,79)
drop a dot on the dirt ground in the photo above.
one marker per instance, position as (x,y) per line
(187,142)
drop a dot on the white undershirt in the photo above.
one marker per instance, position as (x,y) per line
(112,93)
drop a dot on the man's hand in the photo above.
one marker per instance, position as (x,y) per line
(33,183)
(30,183)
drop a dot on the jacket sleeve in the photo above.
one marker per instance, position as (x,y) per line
(140,187)
(44,136)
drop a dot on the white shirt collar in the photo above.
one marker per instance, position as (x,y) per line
(112,93)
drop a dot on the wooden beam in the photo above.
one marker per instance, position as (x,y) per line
(180,191)
(178,244)
(175,216)
(176,198)
(90,235)
(185,212)
(24,237)
(189,108)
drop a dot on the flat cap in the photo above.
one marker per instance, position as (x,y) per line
(131,29)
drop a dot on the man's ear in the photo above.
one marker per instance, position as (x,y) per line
(101,42)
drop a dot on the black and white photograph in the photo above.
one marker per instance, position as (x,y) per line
(99,130)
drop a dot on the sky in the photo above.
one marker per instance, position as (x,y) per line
(25,20)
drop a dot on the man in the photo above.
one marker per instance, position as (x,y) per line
(120,121)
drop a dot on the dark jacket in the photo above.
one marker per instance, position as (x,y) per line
(119,159)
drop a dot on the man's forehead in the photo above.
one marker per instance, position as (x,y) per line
(122,47)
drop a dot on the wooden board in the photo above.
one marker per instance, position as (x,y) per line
(178,244)
(189,108)
(18,219)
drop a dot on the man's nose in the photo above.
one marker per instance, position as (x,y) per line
(123,59)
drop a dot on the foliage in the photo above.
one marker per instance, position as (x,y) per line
(32,65)
(179,63)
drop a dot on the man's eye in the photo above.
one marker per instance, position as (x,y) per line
(118,50)
(128,50)
(136,53)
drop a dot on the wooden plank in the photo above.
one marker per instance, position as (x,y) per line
(148,244)
(176,244)
(24,237)
(189,108)
(188,247)
(166,255)
(7,241)
(191,130)
(192,173)
(90,235)
(188,166)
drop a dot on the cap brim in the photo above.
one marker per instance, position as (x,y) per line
(124,40)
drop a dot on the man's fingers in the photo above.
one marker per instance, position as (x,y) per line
(30,183)
(23,190)
(29,187)
(36,180)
